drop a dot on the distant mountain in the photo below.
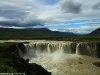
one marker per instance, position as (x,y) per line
(95,32)
(30,32)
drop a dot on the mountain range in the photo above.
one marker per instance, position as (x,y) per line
(30,32)
(96,32)
(36,32)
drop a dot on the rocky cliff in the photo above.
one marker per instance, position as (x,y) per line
(11,62)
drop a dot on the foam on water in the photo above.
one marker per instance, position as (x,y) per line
(66,64)
(61,58)
(64,57)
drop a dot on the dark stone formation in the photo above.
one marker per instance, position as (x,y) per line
(27,60)
(80,62)
(22,48)
(26,42)
(96,64)
(98,49)
(18,64)
(73,47)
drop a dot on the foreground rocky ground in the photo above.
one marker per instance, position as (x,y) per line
(11,62)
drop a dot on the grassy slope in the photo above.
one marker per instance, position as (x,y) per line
(15,33)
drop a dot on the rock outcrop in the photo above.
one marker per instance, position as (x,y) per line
(13,63)
(98,49)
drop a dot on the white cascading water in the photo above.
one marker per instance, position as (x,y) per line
(62,47)
(62,58)
(19,51)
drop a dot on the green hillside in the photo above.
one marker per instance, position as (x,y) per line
(10,33)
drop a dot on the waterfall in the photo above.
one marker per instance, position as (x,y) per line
(63,47)
(63,57)
(19,51)
(79,48)
(85,48)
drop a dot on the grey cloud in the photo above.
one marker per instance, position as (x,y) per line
(18,17)
(20,23)
(69,6)
(96,6)
(13,13)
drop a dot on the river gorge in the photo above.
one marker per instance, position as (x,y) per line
(63,57)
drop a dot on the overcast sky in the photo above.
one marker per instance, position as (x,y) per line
(78,16)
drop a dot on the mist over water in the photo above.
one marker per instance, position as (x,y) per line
(66,64)
(60,62)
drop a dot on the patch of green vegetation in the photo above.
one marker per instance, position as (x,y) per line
(57,38)
(5,62)
(96,64)
(6,66)
(6,45)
